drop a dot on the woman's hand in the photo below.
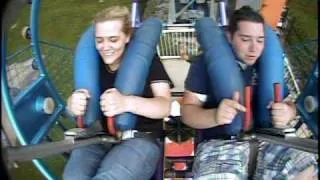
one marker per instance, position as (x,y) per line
(112,102)
(78,101)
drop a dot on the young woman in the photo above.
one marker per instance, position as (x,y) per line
(136,158)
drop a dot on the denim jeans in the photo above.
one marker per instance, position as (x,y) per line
(132,159)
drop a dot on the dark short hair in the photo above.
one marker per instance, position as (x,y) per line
(245,13)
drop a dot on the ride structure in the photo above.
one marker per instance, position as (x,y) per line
(36,108)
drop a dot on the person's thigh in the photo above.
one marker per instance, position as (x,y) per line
(221,159)
(84,162)
(132,159)
(281,162)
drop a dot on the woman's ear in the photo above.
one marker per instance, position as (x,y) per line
(128,37)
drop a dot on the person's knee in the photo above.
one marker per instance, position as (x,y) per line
(71,172)
(229,176)
(145,147)
(74,175)
(309,173)
(83,162)
(132,159)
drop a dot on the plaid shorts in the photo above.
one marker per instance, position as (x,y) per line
(221,159)
(228,159)
(281,162)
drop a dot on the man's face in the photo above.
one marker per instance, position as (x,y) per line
(111,41)
(248,41)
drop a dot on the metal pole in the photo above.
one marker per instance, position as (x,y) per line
(223,13)
(135,14)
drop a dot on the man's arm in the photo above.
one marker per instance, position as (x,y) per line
(194,115)
(197,117)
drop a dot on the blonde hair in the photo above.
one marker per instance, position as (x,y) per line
(115,13)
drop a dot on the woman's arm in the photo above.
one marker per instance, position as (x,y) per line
(154,108)
(112,102)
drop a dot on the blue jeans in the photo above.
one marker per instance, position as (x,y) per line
(132,159)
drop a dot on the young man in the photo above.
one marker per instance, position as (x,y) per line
(223,157)
(135,158)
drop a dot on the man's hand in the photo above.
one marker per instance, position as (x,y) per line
(282,113)
(77,103)
(112,102)
(228,109)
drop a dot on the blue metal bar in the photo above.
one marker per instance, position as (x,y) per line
(34,19)
(5,92)
(36,47)
(46,127)
(29,89)
(9,107)
(46,172)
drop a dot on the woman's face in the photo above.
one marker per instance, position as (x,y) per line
(111,42)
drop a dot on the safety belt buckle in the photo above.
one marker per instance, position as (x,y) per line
(128,134)
(71,134)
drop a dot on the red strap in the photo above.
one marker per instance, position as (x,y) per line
(277,92)
(80,122)
(111,125)
(180,166)
(248,113)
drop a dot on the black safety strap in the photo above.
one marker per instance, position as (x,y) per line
(146,136)
(254,150)
(34,151)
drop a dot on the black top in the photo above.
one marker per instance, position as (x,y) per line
(157,73)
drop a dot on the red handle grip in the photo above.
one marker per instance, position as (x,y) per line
(248,113)
(111,126)
(80,122)
(277,92)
